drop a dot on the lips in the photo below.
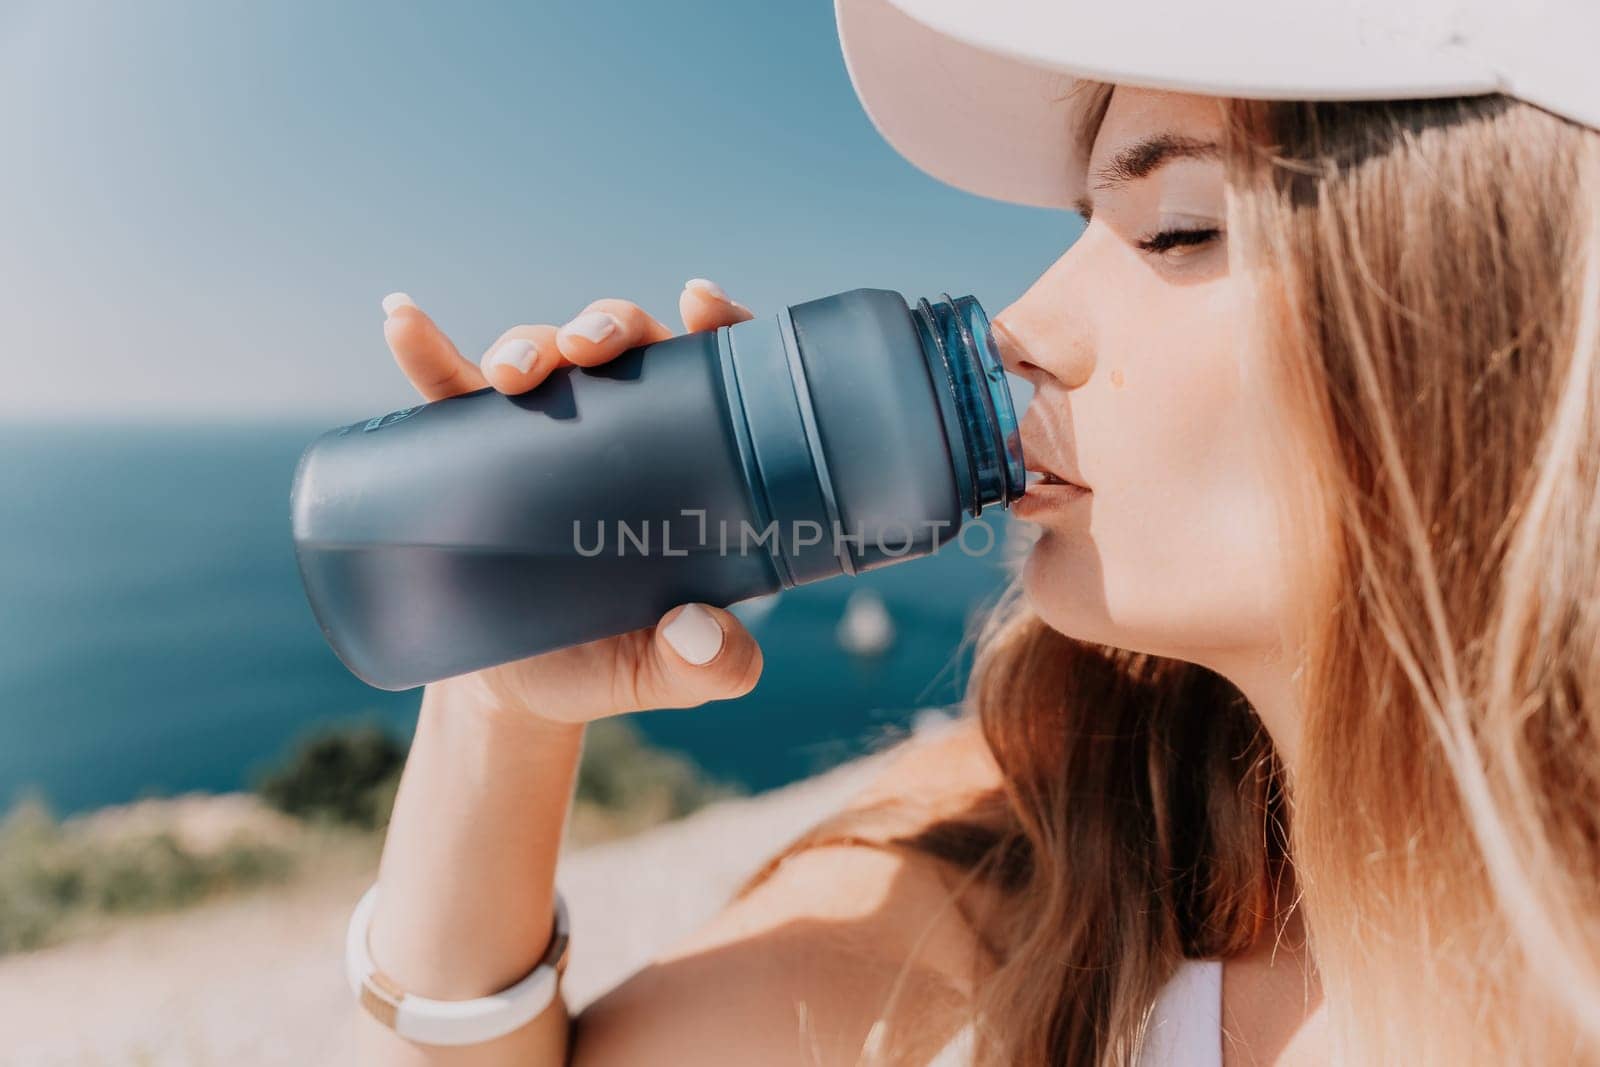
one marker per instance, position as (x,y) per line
(1042,473)
(1044,467)
(1047,495)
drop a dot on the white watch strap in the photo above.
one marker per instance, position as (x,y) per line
(450,1022)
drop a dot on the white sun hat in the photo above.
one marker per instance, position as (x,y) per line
(976,92)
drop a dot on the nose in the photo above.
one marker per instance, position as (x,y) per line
(1040,338)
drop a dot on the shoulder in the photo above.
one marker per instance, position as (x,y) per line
(802,967)
(941,767)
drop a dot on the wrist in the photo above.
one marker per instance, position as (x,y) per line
(472,846)
(460,1020)
(473,699)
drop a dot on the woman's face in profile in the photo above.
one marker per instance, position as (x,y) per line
(1134,342)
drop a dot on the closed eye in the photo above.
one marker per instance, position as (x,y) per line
(1167,240)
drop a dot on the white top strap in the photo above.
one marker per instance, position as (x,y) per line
(1186,1028)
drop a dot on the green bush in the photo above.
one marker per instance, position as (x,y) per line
(341,774)
(635,784)
(36,887)
(53,874)
(347,774)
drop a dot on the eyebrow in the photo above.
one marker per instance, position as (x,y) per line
(1143,158)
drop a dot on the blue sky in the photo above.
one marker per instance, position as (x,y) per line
(205,201)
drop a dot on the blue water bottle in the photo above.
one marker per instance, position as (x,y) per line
(839,435)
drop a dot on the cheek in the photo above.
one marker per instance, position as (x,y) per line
(1180,529)
(1172,429)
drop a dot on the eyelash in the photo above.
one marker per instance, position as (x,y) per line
(1167,240)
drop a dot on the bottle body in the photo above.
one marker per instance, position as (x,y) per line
(710,467)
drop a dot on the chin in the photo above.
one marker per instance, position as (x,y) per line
(1066,595)
(1066,588)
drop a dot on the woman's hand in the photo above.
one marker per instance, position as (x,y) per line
(696,652)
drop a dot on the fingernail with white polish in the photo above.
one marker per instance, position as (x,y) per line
(708,287)
(593,326)
(694,634)
(515,353)
(397,300)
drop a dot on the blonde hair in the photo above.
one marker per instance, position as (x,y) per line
(1430,326)
(1439,267)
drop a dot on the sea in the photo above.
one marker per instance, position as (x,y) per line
(154,638)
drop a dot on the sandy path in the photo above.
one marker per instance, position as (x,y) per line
(257,981)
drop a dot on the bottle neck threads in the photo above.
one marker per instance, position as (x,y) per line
(980,421)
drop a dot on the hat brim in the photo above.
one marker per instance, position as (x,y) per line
(980,96)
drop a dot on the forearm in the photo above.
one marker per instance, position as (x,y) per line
(466,883)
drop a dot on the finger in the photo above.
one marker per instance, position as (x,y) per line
(428,357)
(605,329)
(521,358)
(698,653)
(704,305)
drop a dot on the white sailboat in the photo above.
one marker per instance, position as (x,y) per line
(866,628)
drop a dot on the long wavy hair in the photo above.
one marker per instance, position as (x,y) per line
(1429,325)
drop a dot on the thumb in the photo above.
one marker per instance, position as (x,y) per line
(699,653)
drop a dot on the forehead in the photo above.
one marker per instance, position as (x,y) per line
(1134,114)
